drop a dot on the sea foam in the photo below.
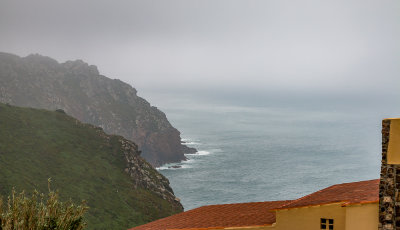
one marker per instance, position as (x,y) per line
(192,143)
(191,157)
(188,141)
(199,153)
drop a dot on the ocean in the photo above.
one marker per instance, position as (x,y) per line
(265,153)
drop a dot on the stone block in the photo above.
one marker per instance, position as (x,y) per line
(388,226)
(387,199)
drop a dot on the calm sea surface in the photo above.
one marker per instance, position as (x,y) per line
(259,153)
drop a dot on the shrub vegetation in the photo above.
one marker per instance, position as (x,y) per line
(40,212)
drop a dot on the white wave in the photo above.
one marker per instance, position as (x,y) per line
(199,153)
(162,168)
(188,161)
(191,159)
(188,141)
(203,153)
(171,167)
(182,165)
(191,143)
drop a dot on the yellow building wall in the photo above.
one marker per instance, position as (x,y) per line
(309,218)
(393,152)
(363,217)
(354,217)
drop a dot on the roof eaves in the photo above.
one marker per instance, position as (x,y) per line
(209,228)
(253,226)
(219,227)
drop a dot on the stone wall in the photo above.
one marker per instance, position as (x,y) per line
(389,202)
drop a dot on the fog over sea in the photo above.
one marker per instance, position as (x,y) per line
(269,151)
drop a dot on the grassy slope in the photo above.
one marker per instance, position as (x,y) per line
(38,144)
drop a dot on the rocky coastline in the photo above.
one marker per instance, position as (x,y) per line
(81,91)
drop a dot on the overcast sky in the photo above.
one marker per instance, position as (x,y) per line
(299,45)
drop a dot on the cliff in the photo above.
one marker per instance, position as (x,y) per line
(121,188)
(78,89)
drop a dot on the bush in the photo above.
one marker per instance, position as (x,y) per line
(36,213)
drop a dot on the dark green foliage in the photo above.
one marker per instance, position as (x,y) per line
(85,164)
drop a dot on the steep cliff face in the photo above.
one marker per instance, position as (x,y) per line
(145,176)
(85,163)
(78,88)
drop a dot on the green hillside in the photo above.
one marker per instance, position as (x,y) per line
(84,163)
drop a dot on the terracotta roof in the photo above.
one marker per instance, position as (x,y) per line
(348,194)
(261,213)
(219,216)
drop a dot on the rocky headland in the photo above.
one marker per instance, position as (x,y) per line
(81,91)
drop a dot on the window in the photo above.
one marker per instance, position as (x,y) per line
(326,223)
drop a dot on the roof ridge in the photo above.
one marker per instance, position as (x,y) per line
(303,197)
(321,190)
(253,202)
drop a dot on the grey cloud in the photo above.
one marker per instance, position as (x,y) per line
(260,45)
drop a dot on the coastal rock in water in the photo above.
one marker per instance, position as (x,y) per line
(187,149)
(175,167)
(78,89)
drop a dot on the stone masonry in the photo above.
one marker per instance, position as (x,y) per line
(389,201)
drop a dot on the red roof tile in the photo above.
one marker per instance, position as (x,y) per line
(214,216)
(259,213)
(348,193)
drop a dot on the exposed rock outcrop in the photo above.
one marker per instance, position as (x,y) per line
(145,176)
(85,163)
(78,89)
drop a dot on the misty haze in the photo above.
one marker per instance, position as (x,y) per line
(149,109)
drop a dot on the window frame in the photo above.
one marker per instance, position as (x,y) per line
(326,223)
